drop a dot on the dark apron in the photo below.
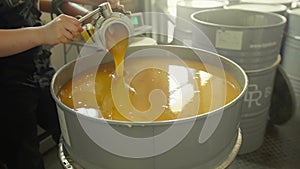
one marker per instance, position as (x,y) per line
(25,99)
(31,67)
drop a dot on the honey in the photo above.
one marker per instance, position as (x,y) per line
(117,42)
(147,88)
(188,90)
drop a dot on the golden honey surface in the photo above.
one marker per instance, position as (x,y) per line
(147,88)
(188,89)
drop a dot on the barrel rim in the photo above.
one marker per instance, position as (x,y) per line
(155,123)
(268,2)
(276,63)
(295,11)
(281,23)
(295,37)
(187,4)
(277,7)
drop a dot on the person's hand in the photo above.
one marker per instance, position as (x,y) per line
(60,30)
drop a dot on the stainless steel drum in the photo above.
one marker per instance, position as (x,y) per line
(290,52)
(252,39)
(287,3)
(291,57)
(183,28)
(272,8)
(256,105)
(199,148)
(293,22)
(68,163)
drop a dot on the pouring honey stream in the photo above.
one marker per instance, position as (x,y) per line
(116,37)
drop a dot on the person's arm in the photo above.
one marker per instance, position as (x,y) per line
(45,5)
(113,3)
(72,7)
(60,30)
(68,8)
(18,40)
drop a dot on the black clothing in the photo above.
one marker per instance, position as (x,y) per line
(31,65)
(25,99)
(22,108)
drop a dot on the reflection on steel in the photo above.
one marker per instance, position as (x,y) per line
(68,163)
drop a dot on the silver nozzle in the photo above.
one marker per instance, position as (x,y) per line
(105,10)
(87,16)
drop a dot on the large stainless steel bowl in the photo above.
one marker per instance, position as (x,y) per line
(205,143)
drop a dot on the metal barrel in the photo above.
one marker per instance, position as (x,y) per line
(293,23)
(271,8)
(81,133)
(295,83)
(251,39)
(291,58)
(287,3)
(290,52)
(290,64)
(183,30)
(255,108)
(262,7)
(253,131)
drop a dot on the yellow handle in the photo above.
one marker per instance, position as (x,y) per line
(88,33)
